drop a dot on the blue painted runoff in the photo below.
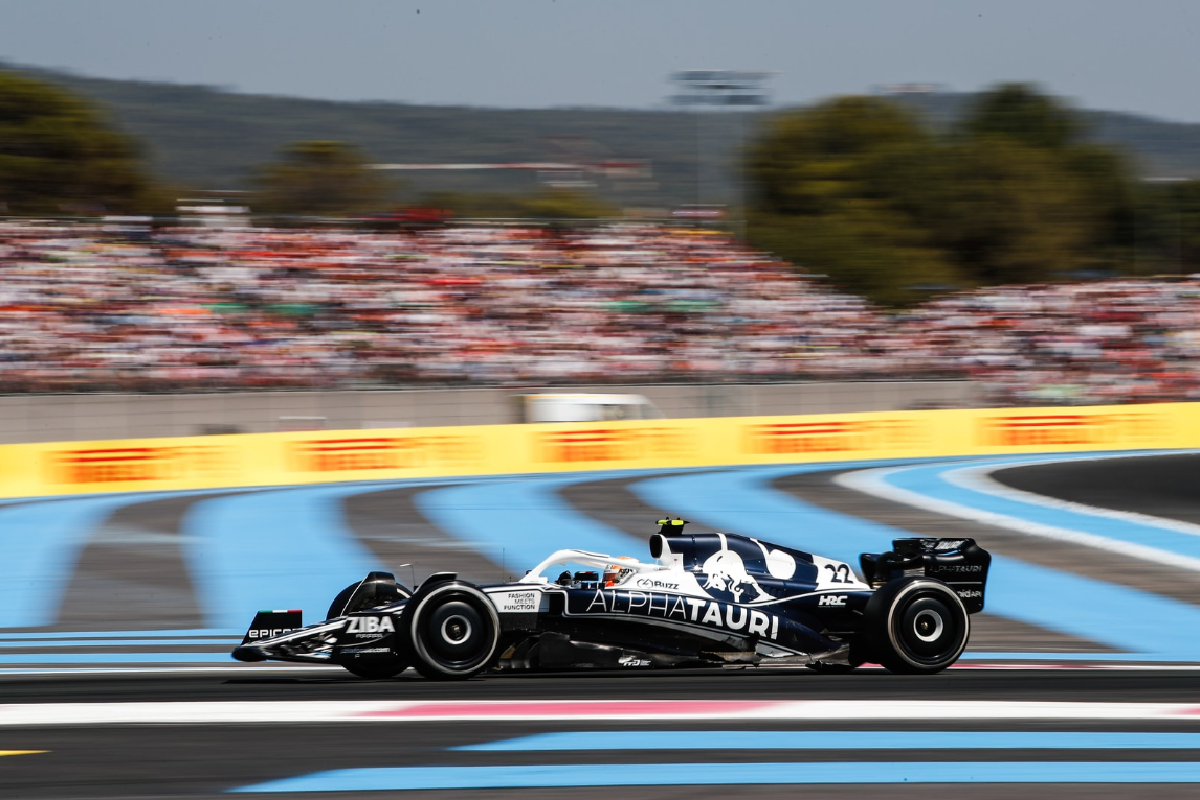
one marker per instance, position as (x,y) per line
(931,480)
(148,634)
(1083,656)
(725,774)
(1116,616)
(114,658)
(839,740)
(40,543)
(284,548)
(523,519)
(40,643)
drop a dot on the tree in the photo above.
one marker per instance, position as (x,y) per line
(811,161)
(58,153)
(1019,112)
(831,193)
(1185,197)
(859,190)
(1080,194)
(321,179)
(1168,230)
(864,247)
(999,211)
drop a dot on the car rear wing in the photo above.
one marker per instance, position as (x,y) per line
(959,563)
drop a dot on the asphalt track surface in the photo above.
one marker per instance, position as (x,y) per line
(208,760)
(132,575)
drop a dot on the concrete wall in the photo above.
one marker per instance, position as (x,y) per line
(48,418)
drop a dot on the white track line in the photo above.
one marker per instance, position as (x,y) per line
(325,712)
(874,482)
(979,479)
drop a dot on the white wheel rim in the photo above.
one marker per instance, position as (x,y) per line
(938,625)
(449,632)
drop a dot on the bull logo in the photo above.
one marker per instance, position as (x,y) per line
(727,574)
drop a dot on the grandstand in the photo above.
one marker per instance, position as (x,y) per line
(85,307)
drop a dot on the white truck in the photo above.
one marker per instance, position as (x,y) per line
(584,407)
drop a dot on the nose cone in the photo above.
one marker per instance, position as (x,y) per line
(244,653)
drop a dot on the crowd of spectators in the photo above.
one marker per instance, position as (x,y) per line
(84,308)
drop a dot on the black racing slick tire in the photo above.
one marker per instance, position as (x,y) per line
(370,668)
(377,671)
(454,632)
(916,626)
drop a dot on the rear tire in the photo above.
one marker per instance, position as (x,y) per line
(454,632)
(916,626)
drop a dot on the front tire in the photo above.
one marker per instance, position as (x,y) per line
(370,668)
(916,626)
(377,671)
(454,632)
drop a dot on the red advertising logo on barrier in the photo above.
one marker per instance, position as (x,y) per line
(1056,430)
(612,444)
(118,464)
(410,452)
(785,438)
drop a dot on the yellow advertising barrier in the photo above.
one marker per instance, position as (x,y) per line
(275,459)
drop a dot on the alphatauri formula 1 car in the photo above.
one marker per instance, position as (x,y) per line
(708,599)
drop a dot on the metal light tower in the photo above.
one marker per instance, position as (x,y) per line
(715,89)
(720,87)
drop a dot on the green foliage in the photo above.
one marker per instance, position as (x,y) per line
(563,204)
(212,139)
(1020,113)
(865,248)
(810,162)
(1012,214)
(320,179)
(58,155)
(1168,216)
(1079,197)
(859,189)
(940,189)
(549,204)
(836,189)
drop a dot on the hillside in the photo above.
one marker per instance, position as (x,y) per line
(1161,149)
(209,138)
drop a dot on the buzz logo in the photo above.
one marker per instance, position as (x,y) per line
(832,600)
(371,625)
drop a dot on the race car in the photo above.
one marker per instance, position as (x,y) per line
(707,599)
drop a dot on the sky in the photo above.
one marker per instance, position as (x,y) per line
(1140,57)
